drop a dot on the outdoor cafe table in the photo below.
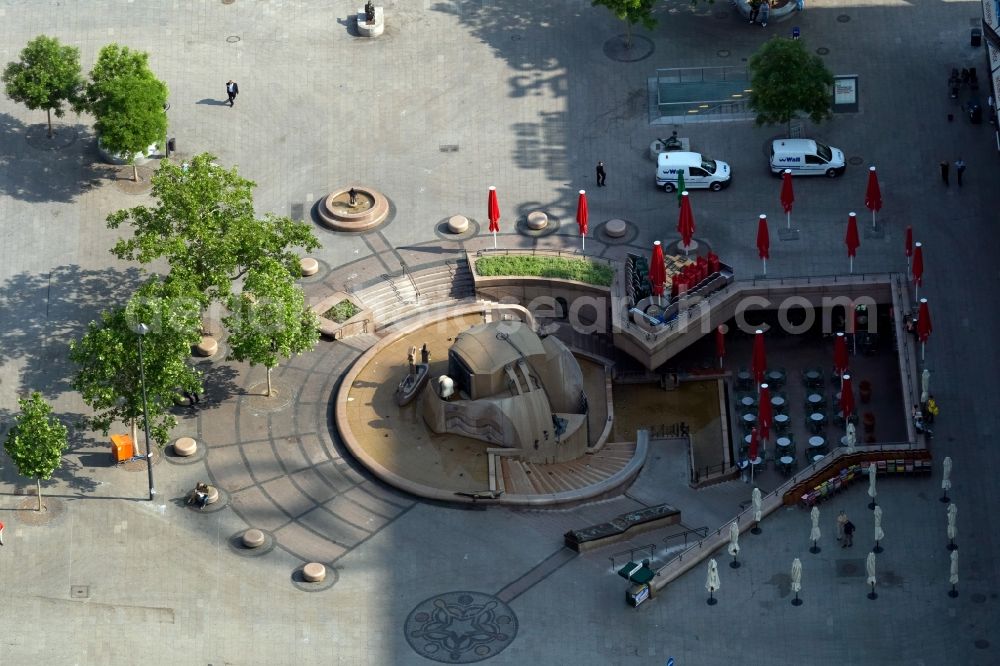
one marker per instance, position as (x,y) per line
(781,419)
(747,401)
(817,457)
(816,442)
(778,401)
(814,399)
(786,462)
(817,417)
(756,462)
(776,376)
(749,419)
(813,376)
(784,445)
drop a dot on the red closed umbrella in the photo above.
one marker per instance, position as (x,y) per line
(754,444)
(924,327)
(846,397)
(918,269)
(763,241)
(787,196)
(685,222)
(758,361)
(840,357)
(873,195)
(702,264)
(657,270)
(852,240)
(720,343)
(908,246)
(713,263)
(581,217)
(764,412)
(493,212)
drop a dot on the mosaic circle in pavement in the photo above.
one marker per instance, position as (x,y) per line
(460,627)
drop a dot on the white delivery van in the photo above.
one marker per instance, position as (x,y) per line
(698,170)
(805,157)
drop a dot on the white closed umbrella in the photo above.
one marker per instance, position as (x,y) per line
(852,437)
(734,544)
(712,583)
(870,569)
(952,526)
(814,533)
(946,479)
(757,502)
(796,581)
(879,534)
(953,574)
(925,385)
(871,486)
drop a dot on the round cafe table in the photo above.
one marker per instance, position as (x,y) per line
(816,442)
(775,376)
(817,417)
(814,399)
(750,419)
(818,457)
(747,401)
(781,420)
(778,401)
(783,442)
(812,376)
(786,462)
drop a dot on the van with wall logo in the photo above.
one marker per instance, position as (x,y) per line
(698,171)
(806,157)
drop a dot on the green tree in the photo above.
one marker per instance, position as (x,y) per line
(130,117)
(204,226)
(36,441)
(786,78)
(631,12)
(270,319)
(47,75)
(114,63)
(107,356)
(128,102)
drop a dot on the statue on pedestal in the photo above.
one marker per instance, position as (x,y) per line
(369,12)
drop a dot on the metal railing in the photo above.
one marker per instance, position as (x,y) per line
(770,502)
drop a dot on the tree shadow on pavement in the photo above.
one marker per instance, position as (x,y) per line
(37,173)
(40,313)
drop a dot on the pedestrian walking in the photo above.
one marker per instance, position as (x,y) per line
(959,170)
(765,10)
(848,535)
(944,172)
(841,521)
(601,174)
(232,90)
(754,10)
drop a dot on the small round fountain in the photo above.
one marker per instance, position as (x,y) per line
(354,208)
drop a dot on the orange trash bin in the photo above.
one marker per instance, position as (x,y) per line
(122,448)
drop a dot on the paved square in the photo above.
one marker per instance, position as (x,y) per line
(454,97)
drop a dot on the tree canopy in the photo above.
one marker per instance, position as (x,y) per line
(108,376)
(130,117)
(785,78)
(114,63)
(36,441)
(204,226)
(46,76)
(270,319)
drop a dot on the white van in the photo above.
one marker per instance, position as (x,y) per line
(699,171)
(805,157)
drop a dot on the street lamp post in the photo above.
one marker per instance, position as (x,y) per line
(142,329)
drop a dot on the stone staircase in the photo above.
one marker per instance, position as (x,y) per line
(398,297)
(524,478)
